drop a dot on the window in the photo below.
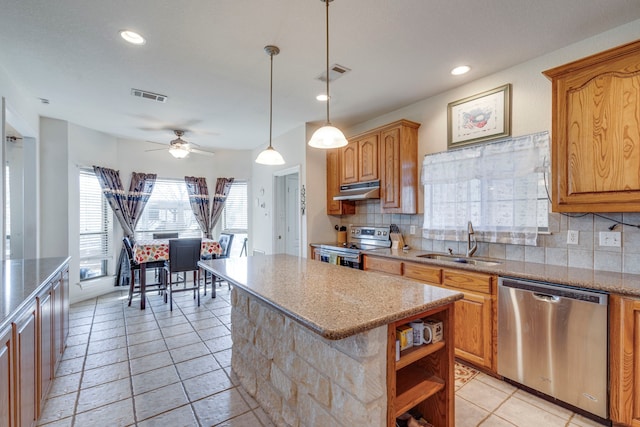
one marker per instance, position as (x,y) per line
(95,228)
(234,215)
(499,187)
(168,210)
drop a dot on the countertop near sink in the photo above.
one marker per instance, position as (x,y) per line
(621,283)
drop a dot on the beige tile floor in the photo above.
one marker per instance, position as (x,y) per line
(128,367)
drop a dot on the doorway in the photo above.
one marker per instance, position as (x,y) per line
(287,212)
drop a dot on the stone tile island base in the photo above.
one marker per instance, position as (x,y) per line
(302,379)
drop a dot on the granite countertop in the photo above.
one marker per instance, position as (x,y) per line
(619,283)
(333,301)
(21,280)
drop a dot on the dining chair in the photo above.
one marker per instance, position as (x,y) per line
(135,267)
(165,236)
(225,240)
(184,255)
(161,236)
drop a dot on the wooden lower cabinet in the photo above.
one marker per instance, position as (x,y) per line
(624,360)
(6,377)
(473,340)
(475,319)
(47,340)
(26,367)
(423,378)
(382,265)
(31,348)
(475,315)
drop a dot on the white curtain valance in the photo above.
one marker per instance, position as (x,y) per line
(499,187)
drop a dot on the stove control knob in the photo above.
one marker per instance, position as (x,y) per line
(357,231)
(384,233)
(379,233)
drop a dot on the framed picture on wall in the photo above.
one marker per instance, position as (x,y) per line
(479,118)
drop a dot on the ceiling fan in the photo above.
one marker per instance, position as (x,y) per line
(179,148)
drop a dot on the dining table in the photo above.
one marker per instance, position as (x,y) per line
(157,250)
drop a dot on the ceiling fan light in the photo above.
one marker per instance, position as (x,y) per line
(269,156)
(179,152)
(328,137)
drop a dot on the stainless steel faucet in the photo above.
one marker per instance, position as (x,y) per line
(472,244)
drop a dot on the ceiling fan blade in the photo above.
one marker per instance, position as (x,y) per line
(203,152)
(157,149)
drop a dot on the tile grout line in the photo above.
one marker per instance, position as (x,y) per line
(84,361)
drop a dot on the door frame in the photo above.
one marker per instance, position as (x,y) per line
(278,205)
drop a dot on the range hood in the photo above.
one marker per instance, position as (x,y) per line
(359,191)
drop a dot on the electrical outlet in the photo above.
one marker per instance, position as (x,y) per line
(572,237)
(412,229)
(610,238)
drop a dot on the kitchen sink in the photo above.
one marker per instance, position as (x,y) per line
(461,259)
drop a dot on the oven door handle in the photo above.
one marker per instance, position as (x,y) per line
(344,256)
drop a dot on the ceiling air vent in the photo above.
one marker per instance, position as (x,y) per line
(335,72)
(149,95)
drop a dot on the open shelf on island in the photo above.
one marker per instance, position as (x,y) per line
(410,355)
(414,385)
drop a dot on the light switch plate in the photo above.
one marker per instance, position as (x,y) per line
(572,237)
(610,238)
(412,229)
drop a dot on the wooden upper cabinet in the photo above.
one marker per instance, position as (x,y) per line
(388,153)
(349,163)
(336,207)
(596,132)
(399,167)
(360,160)
(368,155)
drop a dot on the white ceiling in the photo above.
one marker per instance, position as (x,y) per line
(207,56)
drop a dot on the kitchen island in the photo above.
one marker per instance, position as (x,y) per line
(314,343)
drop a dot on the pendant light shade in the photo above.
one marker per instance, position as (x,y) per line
(327,136)
(269,156)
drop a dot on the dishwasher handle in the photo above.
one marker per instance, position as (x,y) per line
(546,298)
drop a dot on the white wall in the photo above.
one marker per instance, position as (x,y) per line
(292,146)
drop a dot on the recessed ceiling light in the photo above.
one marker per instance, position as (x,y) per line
(322,97)
(132,37)
(460,70)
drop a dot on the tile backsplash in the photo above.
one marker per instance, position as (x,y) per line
(552,248)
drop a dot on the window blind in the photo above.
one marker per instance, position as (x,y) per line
(234,218)
(95,227)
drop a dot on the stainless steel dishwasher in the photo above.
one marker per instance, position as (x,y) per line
(554,339)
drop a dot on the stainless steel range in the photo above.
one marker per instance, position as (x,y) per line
(361,238)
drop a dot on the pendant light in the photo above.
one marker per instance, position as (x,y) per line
(270,156)
(328,136)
